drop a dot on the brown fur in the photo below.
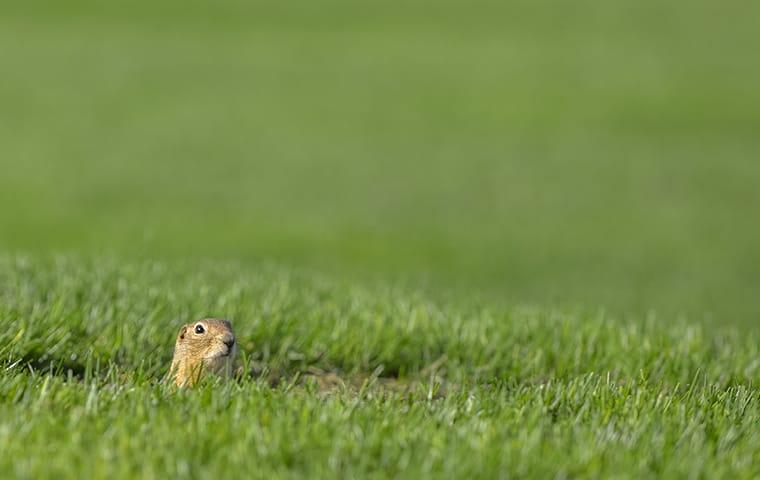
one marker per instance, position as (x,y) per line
(196,355)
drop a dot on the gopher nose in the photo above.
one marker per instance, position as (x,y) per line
(229,342)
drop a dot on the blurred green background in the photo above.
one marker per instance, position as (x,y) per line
(548,152)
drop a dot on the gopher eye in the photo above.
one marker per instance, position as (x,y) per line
(199,329)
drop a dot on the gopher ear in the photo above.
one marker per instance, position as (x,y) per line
(182,332)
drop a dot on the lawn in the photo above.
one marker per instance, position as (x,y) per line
(353,382)
(488,239)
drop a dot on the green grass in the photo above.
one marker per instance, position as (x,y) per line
(562,154)
(456,239)
(448,389)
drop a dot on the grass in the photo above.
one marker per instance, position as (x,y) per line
(601,153)
(488,239)
(447,389)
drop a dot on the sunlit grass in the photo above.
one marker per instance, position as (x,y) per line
(424,388)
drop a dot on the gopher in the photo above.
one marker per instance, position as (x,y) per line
(205,346)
